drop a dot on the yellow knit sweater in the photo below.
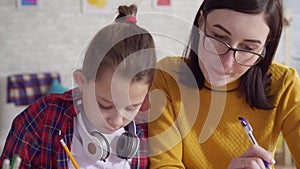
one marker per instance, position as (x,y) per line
(192,128)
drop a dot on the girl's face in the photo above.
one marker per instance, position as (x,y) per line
(112,101)
(242,31)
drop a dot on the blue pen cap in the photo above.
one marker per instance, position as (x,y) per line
(245,123)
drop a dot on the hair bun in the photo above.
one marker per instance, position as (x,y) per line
(128,10)
(125,11)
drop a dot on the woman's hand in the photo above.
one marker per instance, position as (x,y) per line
(252,159)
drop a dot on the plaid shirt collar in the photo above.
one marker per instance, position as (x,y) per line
(140,160)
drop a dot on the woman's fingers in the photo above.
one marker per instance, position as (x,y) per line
(253,158)
(257,151)
(246,163)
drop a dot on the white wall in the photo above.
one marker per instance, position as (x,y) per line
(50,37)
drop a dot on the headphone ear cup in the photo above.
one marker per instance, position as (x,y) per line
(96,147)
(102,150)
(127,145)
(90,148)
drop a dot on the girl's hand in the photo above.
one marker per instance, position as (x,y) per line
(252,159)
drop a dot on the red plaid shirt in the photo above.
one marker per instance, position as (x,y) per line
(34,134)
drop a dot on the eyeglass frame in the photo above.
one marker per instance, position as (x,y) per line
(261,56)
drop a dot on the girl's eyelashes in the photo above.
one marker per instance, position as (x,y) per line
(128,109)
(105,107)
(109,106)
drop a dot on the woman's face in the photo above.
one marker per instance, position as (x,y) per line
(112,101)
(242,31)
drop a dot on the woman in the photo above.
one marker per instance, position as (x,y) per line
(227,73)
(95,120)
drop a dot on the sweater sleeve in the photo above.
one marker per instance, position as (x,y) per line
(164,135)
(291,108)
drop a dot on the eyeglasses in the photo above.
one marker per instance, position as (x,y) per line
(218,47)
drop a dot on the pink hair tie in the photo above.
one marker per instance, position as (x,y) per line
(130,18)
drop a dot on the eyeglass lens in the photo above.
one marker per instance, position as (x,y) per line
(217,47)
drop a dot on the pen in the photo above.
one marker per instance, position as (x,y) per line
(248,130)
(69,153)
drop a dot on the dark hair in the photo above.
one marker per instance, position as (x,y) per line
(255,82)
(112,46)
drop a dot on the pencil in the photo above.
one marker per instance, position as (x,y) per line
(69,153)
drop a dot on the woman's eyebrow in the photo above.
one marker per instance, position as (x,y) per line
(222,28)
(246,40)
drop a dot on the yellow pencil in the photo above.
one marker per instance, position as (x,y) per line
(69,153)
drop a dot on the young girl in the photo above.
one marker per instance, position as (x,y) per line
(96,119)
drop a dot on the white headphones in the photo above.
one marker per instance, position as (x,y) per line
(96,147)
